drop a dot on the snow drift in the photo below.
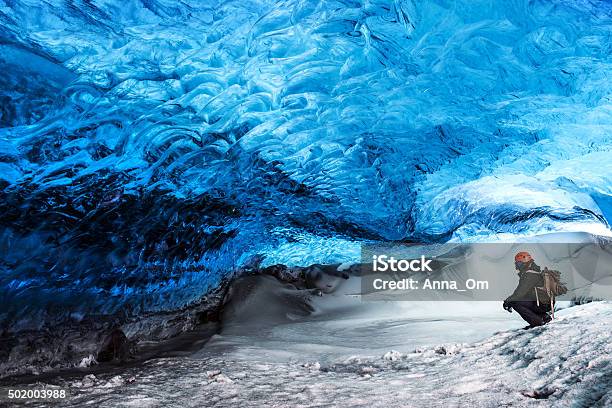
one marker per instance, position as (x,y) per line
(566,363)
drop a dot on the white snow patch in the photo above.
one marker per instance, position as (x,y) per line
(219,377)
(115,382)
(88,361)
(415,375)
(222,378)
(470,387)
(89,380)
(392,355)
(316,366)
(344,266)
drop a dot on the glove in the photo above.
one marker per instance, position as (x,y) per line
(507,307)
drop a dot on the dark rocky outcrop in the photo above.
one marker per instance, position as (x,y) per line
(116,347)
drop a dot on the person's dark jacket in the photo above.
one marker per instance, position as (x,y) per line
(528,281)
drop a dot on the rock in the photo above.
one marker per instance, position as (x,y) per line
(440,350)
(283,273)
(116,347)
(539,394)
(208,316)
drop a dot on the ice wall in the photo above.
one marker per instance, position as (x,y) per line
(149,147)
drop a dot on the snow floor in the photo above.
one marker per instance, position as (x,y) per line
(349,353)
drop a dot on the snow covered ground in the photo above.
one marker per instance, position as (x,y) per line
(374,354)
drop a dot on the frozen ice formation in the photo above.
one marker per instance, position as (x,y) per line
(149,147)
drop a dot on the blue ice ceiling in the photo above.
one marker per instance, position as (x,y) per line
(149,147)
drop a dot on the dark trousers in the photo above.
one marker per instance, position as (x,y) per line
(530,311)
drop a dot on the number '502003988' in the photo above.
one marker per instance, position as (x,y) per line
(36,394)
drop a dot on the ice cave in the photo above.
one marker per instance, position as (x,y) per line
(152,151)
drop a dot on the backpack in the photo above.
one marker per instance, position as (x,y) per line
(552,288)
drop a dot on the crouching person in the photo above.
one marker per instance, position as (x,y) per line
(525,297)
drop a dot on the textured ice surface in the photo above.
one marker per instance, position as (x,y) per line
(566,363)
(148,147)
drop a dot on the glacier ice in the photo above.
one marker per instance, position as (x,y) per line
(149,147)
